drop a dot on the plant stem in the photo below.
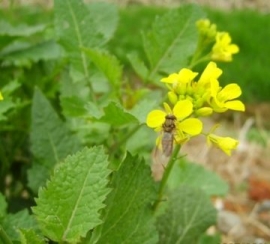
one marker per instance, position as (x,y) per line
(166,175)
(202,59)
(3,237)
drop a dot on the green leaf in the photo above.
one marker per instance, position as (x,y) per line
(4,238)
(128,217)
(117,116)
(73,106)
(189,213)
(105,17)
(8,103)
(197,176)
(78,25)
(17,54)
(142,108)
(138,65)
(69,206)
(3,205)
(107,64)
(51,140)
(30,237)
(74,96)
(22,30)
(172,40)
(13,222)
(210,239)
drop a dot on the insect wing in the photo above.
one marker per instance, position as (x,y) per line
(167,143)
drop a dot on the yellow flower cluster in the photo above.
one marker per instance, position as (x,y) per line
(191,99)
(1,97)
(220,42)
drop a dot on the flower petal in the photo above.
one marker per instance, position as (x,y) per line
(191,126)
(155,118)
(186,75)
(230,92)
(171,79)
(226,144)
(211,72)
(235,105)
(183,109)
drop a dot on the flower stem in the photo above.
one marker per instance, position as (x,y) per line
(166,175)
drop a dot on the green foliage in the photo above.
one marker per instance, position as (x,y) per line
(69,205)
(128,216)
(189,212)
(116,116)
(108,65)
(6,29)
(51,141)
(12,222)
(30,236)
(170,43)
(9,102)
(79,26)
(3,206)
(72,112)
(24,54)
(197,176)
(210,239)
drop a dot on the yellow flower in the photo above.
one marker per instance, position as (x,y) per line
(210,73)
(223,49)
(184,127)
(226,144)
(206,29)
(1,97)
(222,99)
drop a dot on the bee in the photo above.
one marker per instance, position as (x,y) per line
(168,134)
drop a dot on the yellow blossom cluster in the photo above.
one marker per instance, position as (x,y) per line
(219,43)
(1,97)
(192,98)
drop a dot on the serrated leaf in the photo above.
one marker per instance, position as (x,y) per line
(13,222)
(29,236)
(24,55)
(115,115)
(69,205)
(206,180)
(3,205)
(23,30)
(172,40)
(128,217)
(138,65)
(189,213)
(77,27)
(107,64)
(51,140)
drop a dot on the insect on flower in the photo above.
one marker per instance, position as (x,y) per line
(168,134)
